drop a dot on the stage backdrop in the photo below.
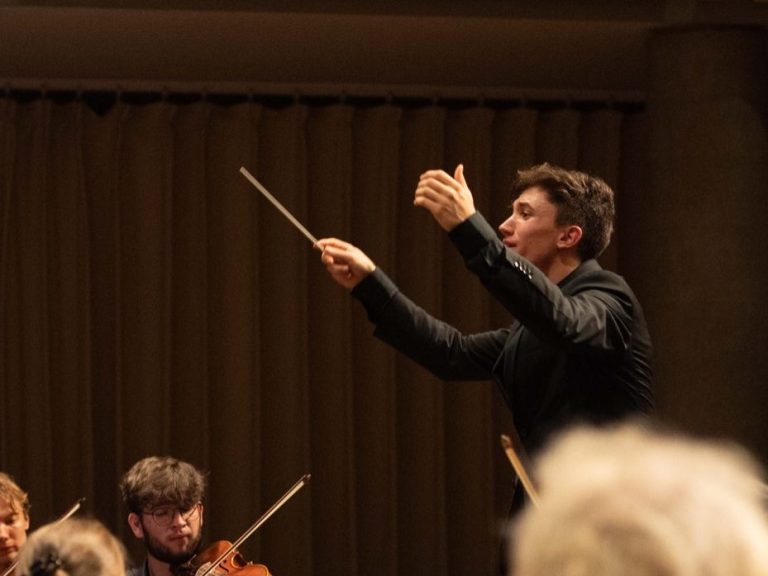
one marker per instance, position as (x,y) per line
(151,302)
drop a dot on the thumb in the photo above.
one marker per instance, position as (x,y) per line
(459,175)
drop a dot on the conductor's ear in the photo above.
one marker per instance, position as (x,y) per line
(570,236)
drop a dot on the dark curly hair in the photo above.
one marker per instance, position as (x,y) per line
(160,480)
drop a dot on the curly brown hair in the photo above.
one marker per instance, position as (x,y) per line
(159,480)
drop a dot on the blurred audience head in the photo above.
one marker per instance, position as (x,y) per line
(630,501)
(74,547)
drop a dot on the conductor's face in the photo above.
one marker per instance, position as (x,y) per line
(170,534)
(531,230)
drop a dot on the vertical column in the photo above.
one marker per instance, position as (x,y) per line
(700,246)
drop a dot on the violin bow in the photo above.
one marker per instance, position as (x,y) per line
(74,508)
(256,525)
(516,456)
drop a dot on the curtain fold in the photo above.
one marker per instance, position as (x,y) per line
(374,202)
(234,410)
(189,362)
(557,137)
(468,421)
(329,163)
(7,136)
(287,540)
(144,164)
(101,144)
(28,274)
(68,304)
(420,396)
(152,302)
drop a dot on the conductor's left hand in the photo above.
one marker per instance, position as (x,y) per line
(448,199)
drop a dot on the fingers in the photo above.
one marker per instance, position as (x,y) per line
(442,177)
(439,181)
(324,242)
(437,175)
(339,270)
(346,264)
(436,190)
(447,198)
(459,175)
(334,252)
(427,198)
(333,258)
(339,252)
(429,191)
(333,263)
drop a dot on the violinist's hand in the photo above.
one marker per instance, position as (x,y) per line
(448,199)
(346,264)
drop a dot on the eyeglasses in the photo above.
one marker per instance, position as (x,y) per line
(164,515)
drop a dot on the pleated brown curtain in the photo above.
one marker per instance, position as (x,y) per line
(151,302)
(468,406)
(374,204)
(420,397)
(331,430)
(285,298)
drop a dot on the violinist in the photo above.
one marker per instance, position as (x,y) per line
(14,521)
(164,497)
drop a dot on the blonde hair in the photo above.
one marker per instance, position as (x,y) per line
(634,502)
(74,547)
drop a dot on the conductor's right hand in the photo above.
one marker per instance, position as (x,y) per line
(346,264)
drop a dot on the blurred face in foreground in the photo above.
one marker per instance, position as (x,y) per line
(13,532)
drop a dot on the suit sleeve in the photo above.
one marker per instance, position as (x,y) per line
(436,345)
(596,315)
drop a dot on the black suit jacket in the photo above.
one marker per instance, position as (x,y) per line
(578,351)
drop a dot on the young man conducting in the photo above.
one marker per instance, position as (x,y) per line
(577,348)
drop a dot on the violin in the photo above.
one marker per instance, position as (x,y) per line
(231,562)
(222,558)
